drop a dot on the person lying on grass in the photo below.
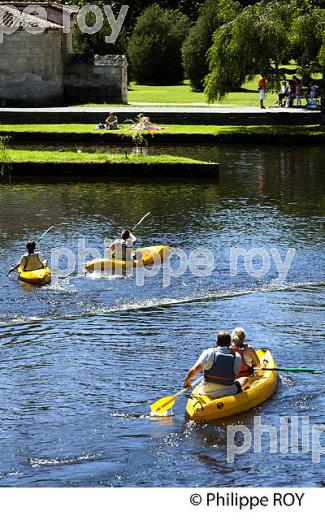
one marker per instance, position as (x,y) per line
(144,123)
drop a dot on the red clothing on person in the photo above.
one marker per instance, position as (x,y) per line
(261,83)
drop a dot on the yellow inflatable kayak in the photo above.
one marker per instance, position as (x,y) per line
(149,254)
(37,277)
(259,388)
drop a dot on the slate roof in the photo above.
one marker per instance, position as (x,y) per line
(10,17)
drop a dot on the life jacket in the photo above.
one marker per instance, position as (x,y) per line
(222,370)
(33,262)
(245,370)
(122,250)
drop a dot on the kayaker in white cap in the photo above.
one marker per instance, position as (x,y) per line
(246,352)
(122,249)
(220,366)
(30,261)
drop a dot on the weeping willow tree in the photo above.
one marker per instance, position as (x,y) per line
(213,14)
(261,38)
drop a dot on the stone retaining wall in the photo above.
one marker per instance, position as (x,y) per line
(100,80)
(164,117)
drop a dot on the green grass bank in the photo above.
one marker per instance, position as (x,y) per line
(65,164)
(170,134)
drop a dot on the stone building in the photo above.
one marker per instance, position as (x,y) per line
(40,69)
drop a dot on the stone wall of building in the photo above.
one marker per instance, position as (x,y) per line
(102,79)
(31,69)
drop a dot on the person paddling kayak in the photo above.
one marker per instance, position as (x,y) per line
(122,249)
(246,352)
(30,261)
(220,366)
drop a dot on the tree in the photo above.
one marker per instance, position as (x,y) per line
(154,48)
(262,37)
(213,14)
(95,44)
(249,44)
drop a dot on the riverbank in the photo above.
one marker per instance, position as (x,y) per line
(33,162)
(201,134)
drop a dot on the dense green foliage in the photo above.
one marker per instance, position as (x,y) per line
(262,37)
(95,44)
(154,48)
(250,37)
(213,14)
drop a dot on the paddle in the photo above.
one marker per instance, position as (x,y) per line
(43,235)
(292,369)
(141,220)
(165,403)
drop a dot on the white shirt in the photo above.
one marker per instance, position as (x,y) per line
(129,244)
(215,390)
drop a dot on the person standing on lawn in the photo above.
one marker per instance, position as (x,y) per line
(262,89)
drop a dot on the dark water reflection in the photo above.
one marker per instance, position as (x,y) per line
(82,359)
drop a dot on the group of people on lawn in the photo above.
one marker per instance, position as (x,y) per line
(291,91)
(142,123)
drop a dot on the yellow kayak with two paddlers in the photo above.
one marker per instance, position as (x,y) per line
(37,277)
(259,388)
(148,254)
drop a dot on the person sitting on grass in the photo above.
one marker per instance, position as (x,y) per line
(30,261)
(282,95)
(246,352)
(220,366)
(311,92)
(111,123)
(122,249)
(144,123)
(291,94)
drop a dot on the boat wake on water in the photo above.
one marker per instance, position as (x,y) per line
(35,462)
(154,303)
(135,415)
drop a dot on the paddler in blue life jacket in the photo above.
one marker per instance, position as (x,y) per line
(122,249)
(247,353)
(30,261)
(220,366)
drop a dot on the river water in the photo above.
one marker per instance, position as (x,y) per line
(83,358)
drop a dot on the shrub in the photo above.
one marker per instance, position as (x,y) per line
(154,48)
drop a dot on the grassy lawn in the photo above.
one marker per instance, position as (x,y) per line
(30,156)
(170,129)
(182,95)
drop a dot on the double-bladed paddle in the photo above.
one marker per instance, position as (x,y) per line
(165,403)
(43,235)
(293,369)
(141,220)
